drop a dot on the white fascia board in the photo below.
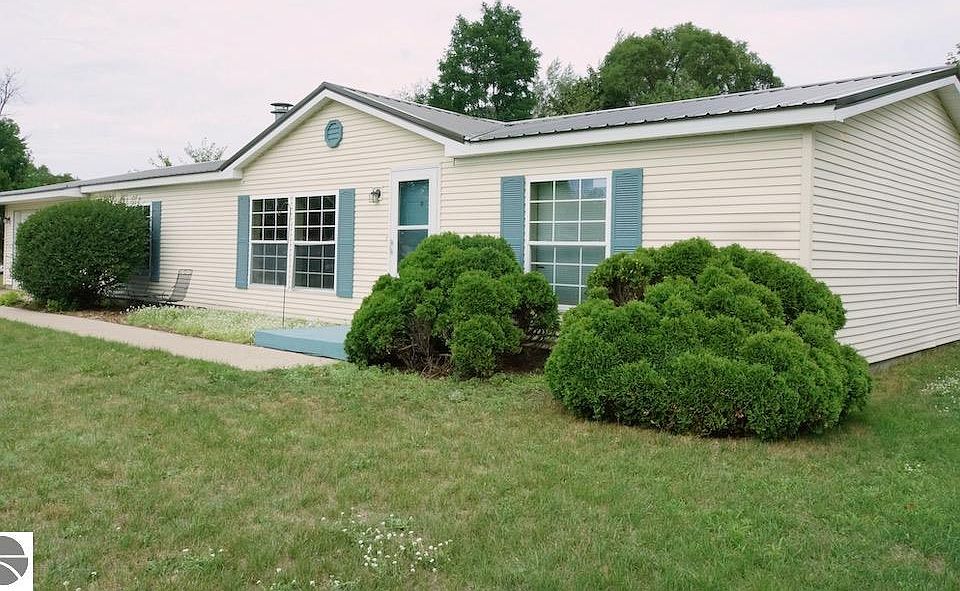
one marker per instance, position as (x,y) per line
(73,192)
(181,179)
(649,131)
(316,104)
(950,96)
(888,99)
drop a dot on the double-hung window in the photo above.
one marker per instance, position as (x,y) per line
(567,232)
(305,237)
(269,229)
(314,231)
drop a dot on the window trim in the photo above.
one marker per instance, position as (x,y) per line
(291,242)
(430,173)
(527,220)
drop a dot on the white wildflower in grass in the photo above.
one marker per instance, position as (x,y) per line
(945,392)
(389,546)
(220,325)
(913,468)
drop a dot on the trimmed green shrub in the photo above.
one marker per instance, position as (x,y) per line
(691,338)
(11,298)
(71,254)
(459,303)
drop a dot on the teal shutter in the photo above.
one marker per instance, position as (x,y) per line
(512,213)
(346,214)
(243,241)
(154,241)
(627,210)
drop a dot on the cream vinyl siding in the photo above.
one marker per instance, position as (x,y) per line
(743,187)
(199,222)
(886,191)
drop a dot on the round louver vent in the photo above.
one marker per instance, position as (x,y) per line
(333,133)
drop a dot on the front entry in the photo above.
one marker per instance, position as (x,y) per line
(413,211)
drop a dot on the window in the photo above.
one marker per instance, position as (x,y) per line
(268,241)
(315,222)
(312,250)
(567,233)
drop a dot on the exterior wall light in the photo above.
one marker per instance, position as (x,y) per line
(375,195)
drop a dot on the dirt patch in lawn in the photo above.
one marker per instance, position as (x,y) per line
(107,315)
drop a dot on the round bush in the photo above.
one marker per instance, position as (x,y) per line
(459,303)
(691,338)
(69,255)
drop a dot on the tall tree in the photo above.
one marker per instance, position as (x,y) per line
(17,169)
(682,62)
(954,56)
(489,68)
(14,157)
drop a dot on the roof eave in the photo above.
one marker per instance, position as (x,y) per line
(891,88)
(23,197)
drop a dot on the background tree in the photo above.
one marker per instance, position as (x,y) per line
(682,62)
(14,157)
(10,89)
(561,91)
(161,160)
(489,68)
(207,151)
(954,56)
(17,169)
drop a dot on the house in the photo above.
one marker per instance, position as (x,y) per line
(857,180)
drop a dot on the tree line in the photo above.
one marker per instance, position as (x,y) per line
(490,69)
(17,167)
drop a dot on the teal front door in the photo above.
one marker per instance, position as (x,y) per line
(414,212)
(413,219)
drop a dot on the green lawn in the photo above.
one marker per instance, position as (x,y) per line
(120,460)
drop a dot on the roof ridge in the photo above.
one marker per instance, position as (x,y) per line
(416,104)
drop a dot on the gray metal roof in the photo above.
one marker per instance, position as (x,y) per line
(463,128)
(153,173)
(840,92)
(456,125)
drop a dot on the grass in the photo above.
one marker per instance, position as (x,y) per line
(219,325)
(141,467)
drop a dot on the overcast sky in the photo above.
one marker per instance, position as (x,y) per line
(107,82)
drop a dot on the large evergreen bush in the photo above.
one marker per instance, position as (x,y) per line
(691,338)
(70,254)
(459,303)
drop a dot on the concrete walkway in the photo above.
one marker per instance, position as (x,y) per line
(240,356)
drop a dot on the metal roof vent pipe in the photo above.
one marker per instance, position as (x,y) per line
(280,109)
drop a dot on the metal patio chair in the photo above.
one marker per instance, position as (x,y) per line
(179,291)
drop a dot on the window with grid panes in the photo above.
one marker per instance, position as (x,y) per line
(269,227)
(567,233)
(314,235)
